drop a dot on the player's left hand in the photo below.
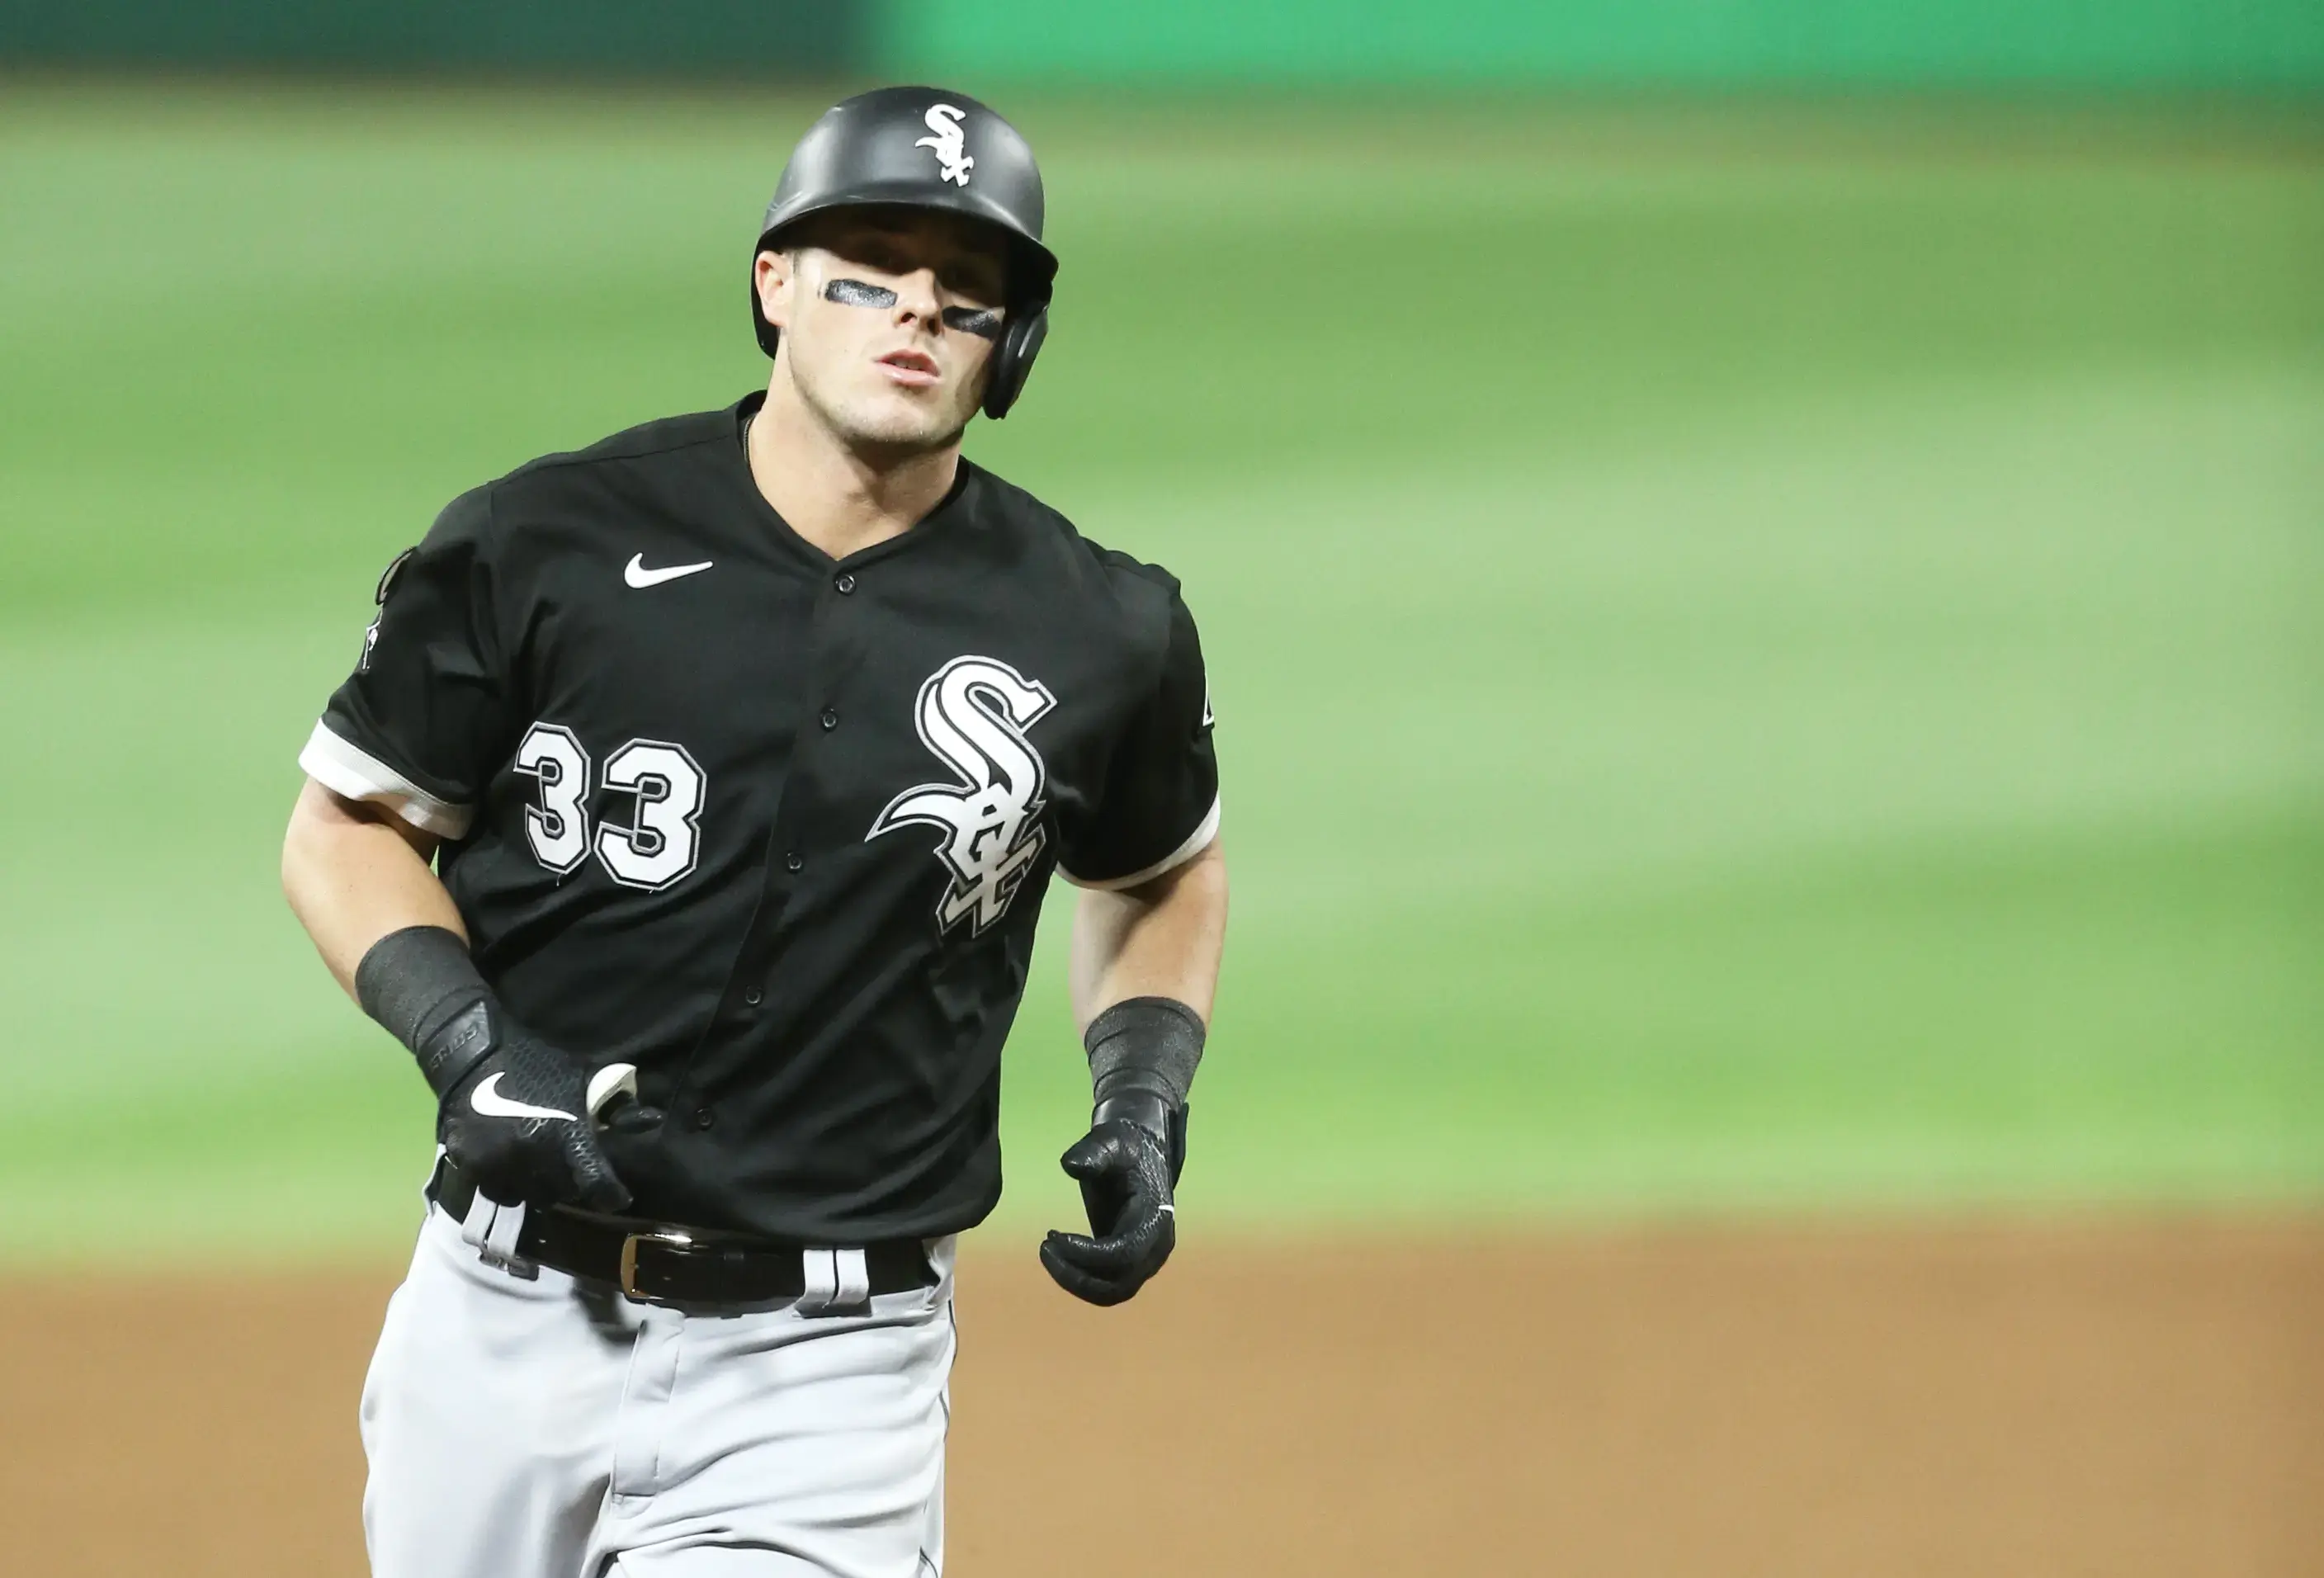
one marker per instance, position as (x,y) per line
(1124,1168)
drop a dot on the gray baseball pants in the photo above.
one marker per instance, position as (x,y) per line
(552,1428)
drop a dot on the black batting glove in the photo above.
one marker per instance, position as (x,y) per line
(519,1125)
(1127,1166)
(511,1110)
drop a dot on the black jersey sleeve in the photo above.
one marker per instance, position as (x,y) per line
(421,725)
(1160,805)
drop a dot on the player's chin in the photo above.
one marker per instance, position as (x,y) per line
(911,418)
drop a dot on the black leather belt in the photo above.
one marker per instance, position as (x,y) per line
(656,1263)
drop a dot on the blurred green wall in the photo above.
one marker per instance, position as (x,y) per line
(2275,45)
(790,37)
(2209,43)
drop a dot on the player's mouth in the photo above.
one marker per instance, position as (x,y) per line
(912,369)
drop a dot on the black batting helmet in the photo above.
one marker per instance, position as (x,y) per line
(926,148)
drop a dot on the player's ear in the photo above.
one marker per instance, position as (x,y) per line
(774,274)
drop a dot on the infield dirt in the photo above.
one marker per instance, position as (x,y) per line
(2089,1397)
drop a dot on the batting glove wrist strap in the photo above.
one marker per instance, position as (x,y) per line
(421,984)
(1145,1045)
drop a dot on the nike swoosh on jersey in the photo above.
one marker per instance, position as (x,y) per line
(636,574)
(487,1100)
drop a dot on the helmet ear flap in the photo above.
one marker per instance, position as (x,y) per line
(1012,359)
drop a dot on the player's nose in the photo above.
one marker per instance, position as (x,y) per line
(916,297)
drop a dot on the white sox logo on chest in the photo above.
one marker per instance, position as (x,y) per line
(973,714)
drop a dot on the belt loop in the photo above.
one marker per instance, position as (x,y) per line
(500,1238)
(477,1222)
(832,1281)
(490,1229)
(939,1252)
(818,1281)
(854,1275)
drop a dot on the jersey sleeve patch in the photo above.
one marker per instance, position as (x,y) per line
(1204,834)
(349,771)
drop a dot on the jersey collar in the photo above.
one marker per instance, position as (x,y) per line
(950,509)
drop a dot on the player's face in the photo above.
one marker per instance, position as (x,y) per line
(889,317)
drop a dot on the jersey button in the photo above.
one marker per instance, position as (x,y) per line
(831,717)
(794,863)
(754,997)
(702,1117)
(845,585)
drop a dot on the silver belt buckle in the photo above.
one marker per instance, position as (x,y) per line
(669,1239)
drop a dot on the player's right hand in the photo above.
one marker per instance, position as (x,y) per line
(519,1124)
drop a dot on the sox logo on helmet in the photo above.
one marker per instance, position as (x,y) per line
(951,150)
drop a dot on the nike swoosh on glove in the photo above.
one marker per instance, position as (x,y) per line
(519,1125)
(1124,1172)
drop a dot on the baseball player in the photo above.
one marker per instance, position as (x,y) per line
(687,817)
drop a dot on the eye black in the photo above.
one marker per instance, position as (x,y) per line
(984,322)
(858,294)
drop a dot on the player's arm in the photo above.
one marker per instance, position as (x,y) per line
(1146,939)
(358,877)
(1162,938)
(1144,969)
(353,872)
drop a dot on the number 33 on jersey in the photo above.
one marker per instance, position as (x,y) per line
(658,846)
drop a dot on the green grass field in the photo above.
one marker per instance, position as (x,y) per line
(1767,657)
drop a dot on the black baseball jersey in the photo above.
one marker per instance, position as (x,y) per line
(771,826)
